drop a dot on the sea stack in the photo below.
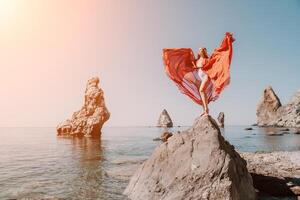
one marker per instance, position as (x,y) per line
(88,121)
(270,111)
(164,119)
(195,164)
(266,111)
(221,119)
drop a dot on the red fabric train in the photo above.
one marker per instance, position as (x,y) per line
(180,67)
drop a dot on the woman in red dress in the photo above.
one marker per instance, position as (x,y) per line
(204,78)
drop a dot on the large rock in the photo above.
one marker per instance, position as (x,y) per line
(165,119)
(195,164)
(270,112)
(89,120)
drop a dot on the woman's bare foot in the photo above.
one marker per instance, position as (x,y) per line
(206,112)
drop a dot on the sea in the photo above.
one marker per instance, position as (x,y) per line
(36,164)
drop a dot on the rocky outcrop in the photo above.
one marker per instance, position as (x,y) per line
(195,164)
(275,173)
(270,112)
(266,111)
(89,120)
(164,119)
(221,119)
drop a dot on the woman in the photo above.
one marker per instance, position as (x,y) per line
(204,78)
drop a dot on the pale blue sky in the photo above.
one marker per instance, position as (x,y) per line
(121,41)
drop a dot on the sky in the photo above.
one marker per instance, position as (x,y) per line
(49,49)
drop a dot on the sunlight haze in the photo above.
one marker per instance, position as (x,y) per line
(49,49)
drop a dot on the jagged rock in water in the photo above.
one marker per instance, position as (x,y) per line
(270,112)
(195,164)
(221,119)
(165,119)
(88,121)
(266,111)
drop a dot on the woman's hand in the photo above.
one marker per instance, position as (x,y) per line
(194,63)
(230,35)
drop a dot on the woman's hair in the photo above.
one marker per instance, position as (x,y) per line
(202,53)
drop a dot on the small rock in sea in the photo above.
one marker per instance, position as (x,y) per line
(275,134)
(254,124)
(285,132)
(164,119)
(248,129)
(285,129)
(165,136)
(297,132)
(156,139)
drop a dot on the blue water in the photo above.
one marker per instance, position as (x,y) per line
(35,164)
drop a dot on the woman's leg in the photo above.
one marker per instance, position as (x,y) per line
(203,95)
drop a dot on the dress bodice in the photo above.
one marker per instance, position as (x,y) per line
(199,62)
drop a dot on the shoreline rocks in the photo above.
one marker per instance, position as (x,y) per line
(270,111)
(164,119)
(88,121)
(275,173)
(195,164)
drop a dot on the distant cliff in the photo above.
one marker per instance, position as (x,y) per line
(270,111)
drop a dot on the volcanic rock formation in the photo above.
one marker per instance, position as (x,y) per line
(88,121)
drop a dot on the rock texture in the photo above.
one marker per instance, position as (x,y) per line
(164,119)
(276,173)
(221,119)
(195,164)
(270,112)
(89,120)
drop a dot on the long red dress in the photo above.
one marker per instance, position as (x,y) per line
(180,67)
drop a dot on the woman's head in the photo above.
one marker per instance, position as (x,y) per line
(202,53)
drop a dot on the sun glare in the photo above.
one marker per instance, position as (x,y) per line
(8,11)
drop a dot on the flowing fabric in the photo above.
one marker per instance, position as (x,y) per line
(180,67)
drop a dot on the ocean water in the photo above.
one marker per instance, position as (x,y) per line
(35,164)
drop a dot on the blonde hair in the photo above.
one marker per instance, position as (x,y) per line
(202,53)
